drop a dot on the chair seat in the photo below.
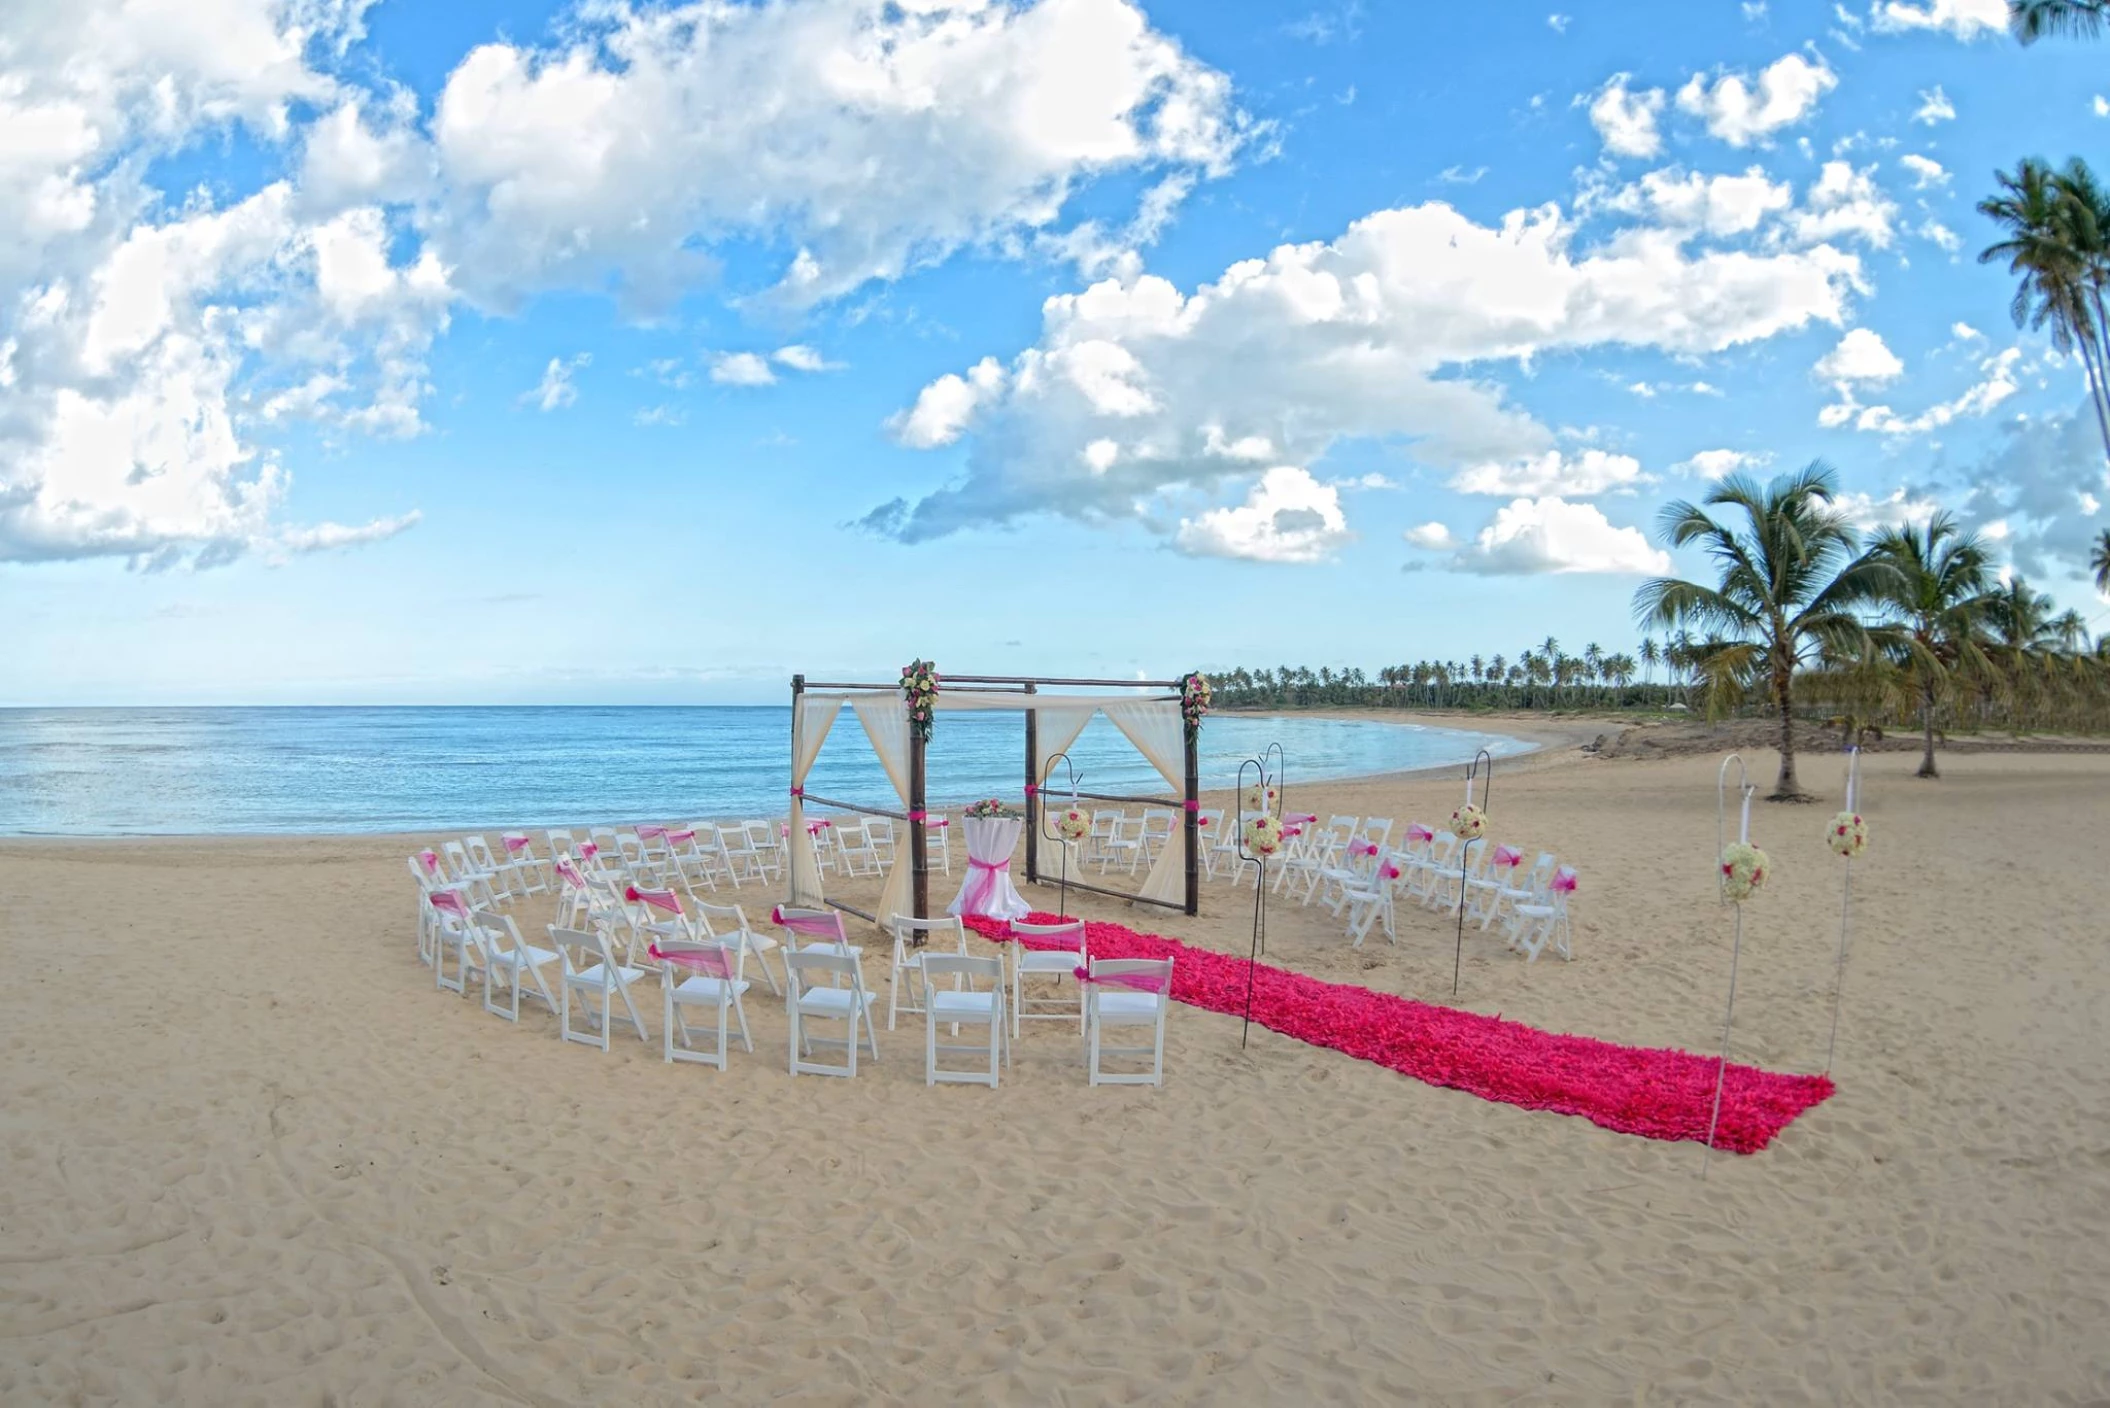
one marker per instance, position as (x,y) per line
(599,976)
(533,957)
(1140,1006)
(830,1002)
(703,987)
(1534,911)
(1048,961)
(963,1006)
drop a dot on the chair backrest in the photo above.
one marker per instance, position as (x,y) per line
(935,830)
(879,830)
(560,842)
(580,948)
(722,919)
(822,925)
(1158,821)
(1068,935)
(713,958)
(1147,975)
(457,859)
(964,970)
(1210,820)
(1104,823)
(426,877)
(822,967)
(904,927)
(605,837)
(1346,825)
(480,852)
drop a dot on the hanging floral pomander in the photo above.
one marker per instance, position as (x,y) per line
(1260,799)
(1074,824)
(1744,870)
(919,687)
(1847,835)
(1194,701)
(1263,835)
(1468,822)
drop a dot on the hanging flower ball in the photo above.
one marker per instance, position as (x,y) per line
(1468,822)
(1259,798)
(1263,835)
(1073,824)
(1744,870)
(1847,835)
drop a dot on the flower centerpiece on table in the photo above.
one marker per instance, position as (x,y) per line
(1744,868)
(1847,835)
(1194,701)
(1263,836)
(1468,822)
(1073,824)
(993,809)
(919,686)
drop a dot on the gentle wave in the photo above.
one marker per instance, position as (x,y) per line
(102,772)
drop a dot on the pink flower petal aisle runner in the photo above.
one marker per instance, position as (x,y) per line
(1655,1093)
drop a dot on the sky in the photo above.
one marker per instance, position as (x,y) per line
(493,352)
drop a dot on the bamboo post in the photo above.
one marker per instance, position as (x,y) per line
(1193,822)
(791,887)
(918,845)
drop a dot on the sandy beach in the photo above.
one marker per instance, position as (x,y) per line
(252,1156)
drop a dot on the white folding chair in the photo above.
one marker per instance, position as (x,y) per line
(702,974)
(1156,835)
(511,960)
(936,848)
(694,848)
(854,849)
(1209,825)
(429,880)
(767,843)
(454,931)
(824,984)
(964,1004)
(1369,901)
(477,881)
(591,970)
(1535,926)
(500,872)
(879,834)
(1123,844)
(729,921)
(909,954)
(531,871)
(1060,962)
(1127,992)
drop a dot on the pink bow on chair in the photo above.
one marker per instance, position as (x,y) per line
(1388,871)
(516,843)
(451,902)
(1564,880)
(813,926)
(677,837)
(1417,832)
(651,833)
(589,849)
(1362,848)
(569,874)
(1509,856)
(1137,982)
(658,899)
(707,960)
(432,861)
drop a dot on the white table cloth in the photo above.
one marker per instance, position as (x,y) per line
(989,891)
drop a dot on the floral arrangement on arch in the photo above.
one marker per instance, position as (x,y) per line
(1263,835)
(991,809)
(1194,701)
(919,686)
(1744,868)
(1074,824)
(1847,835)
(1468,822)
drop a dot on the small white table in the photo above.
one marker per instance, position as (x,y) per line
(989,891)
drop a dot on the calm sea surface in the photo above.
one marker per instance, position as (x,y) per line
(97,772)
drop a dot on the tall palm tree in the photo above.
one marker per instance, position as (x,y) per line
(2057,244)
(1789,578)
(1939,593)
(2040,19)
(1648,659)
(2099,562)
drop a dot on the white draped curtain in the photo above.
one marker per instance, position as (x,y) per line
(1155,727)
(885,719)
(810,721)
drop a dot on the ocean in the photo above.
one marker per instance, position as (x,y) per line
(107,772)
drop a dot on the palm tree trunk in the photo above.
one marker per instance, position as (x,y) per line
(1786,788)
(2092,362)
(1927,767)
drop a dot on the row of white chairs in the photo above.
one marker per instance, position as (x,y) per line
(614,934)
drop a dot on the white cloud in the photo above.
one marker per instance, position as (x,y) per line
(1741,112)
(1926,171)
(1558,23)
(1964,332)
(2101,106)
(1845,203)
(1552,535)
(1936,233)
(1934,107)
(1459,176)
(1899,507)
(326,537)
(1578,476)
(1718,205)
(870,137)
(742,369)
(1287,355)
(1754,10)
(1996,383)
(1287,517)
(1435,537)
(659,415)
(1626,119)
(1715,464)
(801,358)
(1861,358)
(556,390)
(1965,19)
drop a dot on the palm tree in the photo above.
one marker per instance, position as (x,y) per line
(1939,594)
(1789,579)
(1649,656)
(2057,227)
(2039,19)
(2099,562)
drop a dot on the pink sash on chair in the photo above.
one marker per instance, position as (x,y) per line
(1158,983)
(1362,848)
(651,833)
(1509,856)
(431,860)
(1564,880)
(516,843)
(677,837)
(1417,832)
(451,902)
(813,926)
(659,899)
(589,849)
(569,874)
(715,962)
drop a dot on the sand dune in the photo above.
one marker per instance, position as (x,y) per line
(251,1156)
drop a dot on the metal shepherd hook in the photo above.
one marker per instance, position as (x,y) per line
(1846,908)
(1062,892)
(1465,855)
(1260,772)
(1746,788)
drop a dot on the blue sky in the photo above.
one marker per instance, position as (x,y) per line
(496,352)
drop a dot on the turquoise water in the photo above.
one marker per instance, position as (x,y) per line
(100,772)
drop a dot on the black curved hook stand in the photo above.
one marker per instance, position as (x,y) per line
(1465,853)
(1261,776)
(1062,891)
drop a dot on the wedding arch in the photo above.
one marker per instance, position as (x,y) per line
(1152,719)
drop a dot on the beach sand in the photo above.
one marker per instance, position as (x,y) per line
(251,1156)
